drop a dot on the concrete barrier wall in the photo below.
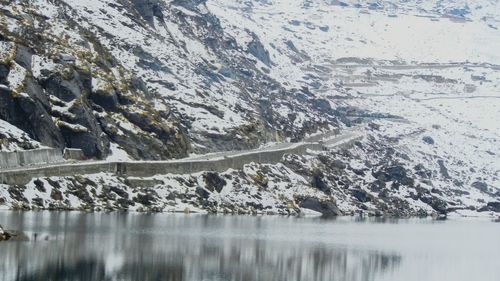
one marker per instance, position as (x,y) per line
(151,168)
(320,137)
(30,157)
(8,160)
(73,154)
(19,177)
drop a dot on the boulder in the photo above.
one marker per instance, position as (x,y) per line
(202,192)
(437,204)
(361,195)
(494,206)
(428,140)
(6,235)
(396,173)
(319,182)
(147,199)
(325,207)
(214,182)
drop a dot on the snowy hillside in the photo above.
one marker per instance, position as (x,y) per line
(137,79)
(433,64)
(164,73)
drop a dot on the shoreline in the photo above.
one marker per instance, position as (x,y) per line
(306,214)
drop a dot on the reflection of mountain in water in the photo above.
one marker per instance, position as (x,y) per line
(168,247)
(90,269)
(187,259)
(130,246)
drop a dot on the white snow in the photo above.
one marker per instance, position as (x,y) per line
(41,63)
(117,154)
(14,133)
(418,60)
(16,77)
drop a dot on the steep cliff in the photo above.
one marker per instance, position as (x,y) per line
(155,79)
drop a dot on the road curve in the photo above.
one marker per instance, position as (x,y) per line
(210,162)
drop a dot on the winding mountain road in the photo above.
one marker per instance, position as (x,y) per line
(220,161)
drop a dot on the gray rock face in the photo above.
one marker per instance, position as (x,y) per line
(257,49)
(30,115)
(494,206)
(319,182)
(189,4)
(92,140)
(443,170)
(84,131)
(105,102)
(4,72)
(59,107)
(480,185)
(24,56)
(397,174)
(327,208)
(361,195)
(148,9)
(202,192)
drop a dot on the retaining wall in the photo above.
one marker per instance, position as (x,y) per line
(30,157)
(320,137)
(151,168)
(73,154)
(20,177)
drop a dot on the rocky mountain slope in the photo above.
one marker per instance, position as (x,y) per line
(156,79)
(153,79)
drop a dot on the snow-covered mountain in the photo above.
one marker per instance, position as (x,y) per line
(153,79)
(159,79)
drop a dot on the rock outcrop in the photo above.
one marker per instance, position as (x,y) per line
(183,84)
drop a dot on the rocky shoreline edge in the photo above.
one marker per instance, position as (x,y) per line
(12,235)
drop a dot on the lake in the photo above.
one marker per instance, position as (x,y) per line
(133,246)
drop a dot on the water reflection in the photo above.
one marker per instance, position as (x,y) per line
(199,261)
(78,246)
(162,247)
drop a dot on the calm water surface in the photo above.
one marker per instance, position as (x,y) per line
(78,246)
